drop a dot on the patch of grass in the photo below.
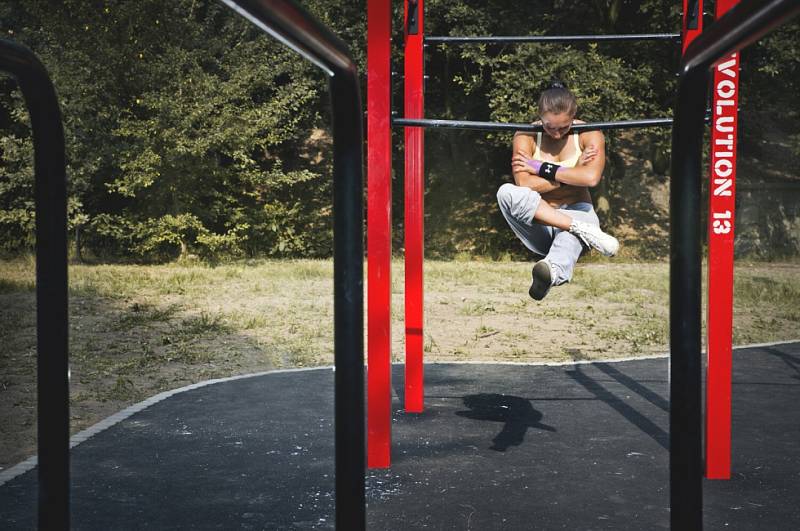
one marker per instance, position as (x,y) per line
(518,305)
(204,323)
(518,353)
(310,269)
(477,308)
(142,313)
(754,290)
(150,358)
(644,333)
(620,283)
(561,313)
(182,282)
(484,331)
(299,355)
(110,281)
(191,354)
(460,354)
(233,273)
(429,345)
(10,323)
(121,389)
(17,285)
(251,322)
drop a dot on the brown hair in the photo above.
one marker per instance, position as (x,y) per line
(557,99)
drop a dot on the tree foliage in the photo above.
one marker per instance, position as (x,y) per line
(191,132)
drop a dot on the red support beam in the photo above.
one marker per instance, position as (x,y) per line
(722,203)
(379,234)
(414,190)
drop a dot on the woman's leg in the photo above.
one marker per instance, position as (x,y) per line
(518,204)
(548,215)
(532,219)
(526,205)
(567,248)
(552,232)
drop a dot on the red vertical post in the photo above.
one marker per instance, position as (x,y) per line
(379,234)
(414,187)
(722,202)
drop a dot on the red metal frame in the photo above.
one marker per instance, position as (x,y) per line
(414,222)
(722,203)
(721,211)
(379,234)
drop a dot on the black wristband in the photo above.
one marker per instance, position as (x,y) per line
(548,171)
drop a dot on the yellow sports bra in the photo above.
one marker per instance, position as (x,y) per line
(570,162)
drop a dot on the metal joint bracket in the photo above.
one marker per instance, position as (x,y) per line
(693,16)
(412,24)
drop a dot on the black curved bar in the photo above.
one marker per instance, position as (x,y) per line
(51,282)
(496,126)
(293,26)
(741,26)
(552,38)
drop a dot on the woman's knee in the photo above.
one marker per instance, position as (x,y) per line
(509,195)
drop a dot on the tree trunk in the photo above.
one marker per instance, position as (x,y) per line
(78,256)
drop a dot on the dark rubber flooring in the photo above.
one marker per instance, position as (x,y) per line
(575,447)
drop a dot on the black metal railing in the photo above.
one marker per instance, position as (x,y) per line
(741,26)
(496,126)
(293,26)
(552,38)
(521,39)
(51,282)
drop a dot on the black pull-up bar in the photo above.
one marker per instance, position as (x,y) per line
(741,26)
(553,38)
(495,126)
(52,363)
(293,26)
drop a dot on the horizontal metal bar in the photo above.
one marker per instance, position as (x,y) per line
(552,38)
(495,126)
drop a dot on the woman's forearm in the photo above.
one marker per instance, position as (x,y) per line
(581,175)
(586,174)
(534,182)
(578,176)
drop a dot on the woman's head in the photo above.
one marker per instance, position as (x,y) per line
(557,108)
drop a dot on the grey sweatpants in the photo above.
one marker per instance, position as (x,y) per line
(518,205)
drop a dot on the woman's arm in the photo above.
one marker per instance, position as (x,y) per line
(524,143)
(587,174)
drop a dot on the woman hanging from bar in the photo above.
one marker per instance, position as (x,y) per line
(549,207)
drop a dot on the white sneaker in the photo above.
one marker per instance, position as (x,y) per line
(542,280)
(595,238)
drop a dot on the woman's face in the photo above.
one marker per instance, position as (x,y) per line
(556,124)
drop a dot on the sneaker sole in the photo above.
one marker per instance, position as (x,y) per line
(542,281)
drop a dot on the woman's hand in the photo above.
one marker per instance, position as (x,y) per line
(522,162)
(588,155)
